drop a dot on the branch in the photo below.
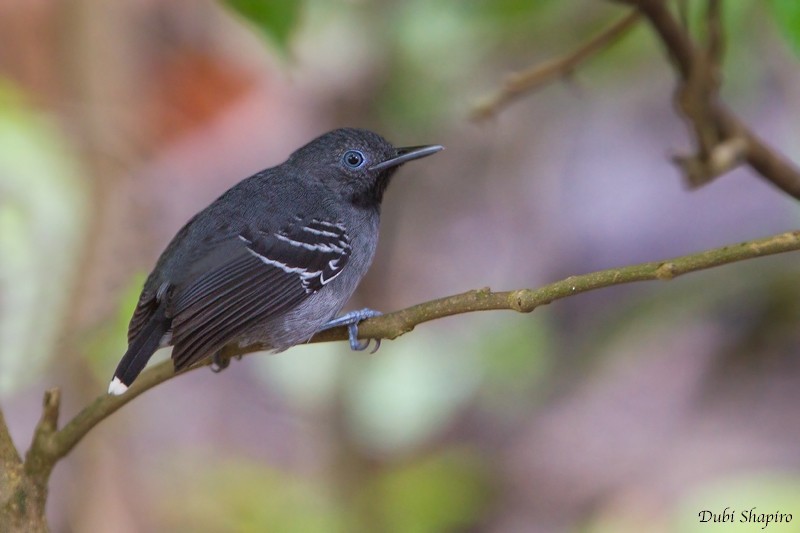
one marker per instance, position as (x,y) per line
(526,300)
(736,142)
(104,405)
(697,97)
(392,325)
(50,444)
(527,81)
(39,459)
(23,490)
(716,36)
(723,141)
(8,452)
(10,463)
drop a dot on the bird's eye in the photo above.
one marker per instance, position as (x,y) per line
(353,158)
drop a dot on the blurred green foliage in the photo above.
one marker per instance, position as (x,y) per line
(787,15)
(516,357)
(766,491)
(513,14)
(237,495)
(308,379)
(42,208)
(441,492)
(393,403)
(275,19)
(411,393)
(424,35)
(397,407)
(760,299)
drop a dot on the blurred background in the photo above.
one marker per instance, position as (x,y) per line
(626,409)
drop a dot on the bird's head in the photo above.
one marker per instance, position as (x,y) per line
(355,162)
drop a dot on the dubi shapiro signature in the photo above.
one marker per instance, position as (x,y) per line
(748,516)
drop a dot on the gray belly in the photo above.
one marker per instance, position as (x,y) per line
(299,324)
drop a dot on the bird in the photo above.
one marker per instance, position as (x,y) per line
(273,260)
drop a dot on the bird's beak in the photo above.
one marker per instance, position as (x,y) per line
(407,154)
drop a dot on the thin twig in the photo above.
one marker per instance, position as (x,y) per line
(393,325)
(736,141)
(716,37)
(724,141)
(39,458)
(527,81)
(697,97)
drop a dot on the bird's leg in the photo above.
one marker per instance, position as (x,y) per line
(351,320)
(220,362)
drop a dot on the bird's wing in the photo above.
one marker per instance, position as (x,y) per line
(262,275)
(145,307)
(154,289)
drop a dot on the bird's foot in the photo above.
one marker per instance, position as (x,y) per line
(220,362)
(351,320)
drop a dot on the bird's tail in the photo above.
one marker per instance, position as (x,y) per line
(140,350)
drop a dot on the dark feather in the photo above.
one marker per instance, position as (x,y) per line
(145,308)
(146,341)
(265,276)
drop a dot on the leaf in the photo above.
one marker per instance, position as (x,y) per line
(42,221)
(275,18)
(787,15)
(444,492)
(405,397)
(236,494)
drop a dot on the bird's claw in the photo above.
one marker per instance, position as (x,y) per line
(220,362)
(357,345)
(351,320)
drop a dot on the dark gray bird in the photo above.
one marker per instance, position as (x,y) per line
(272,260)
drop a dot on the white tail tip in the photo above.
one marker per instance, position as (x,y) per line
(116,387)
